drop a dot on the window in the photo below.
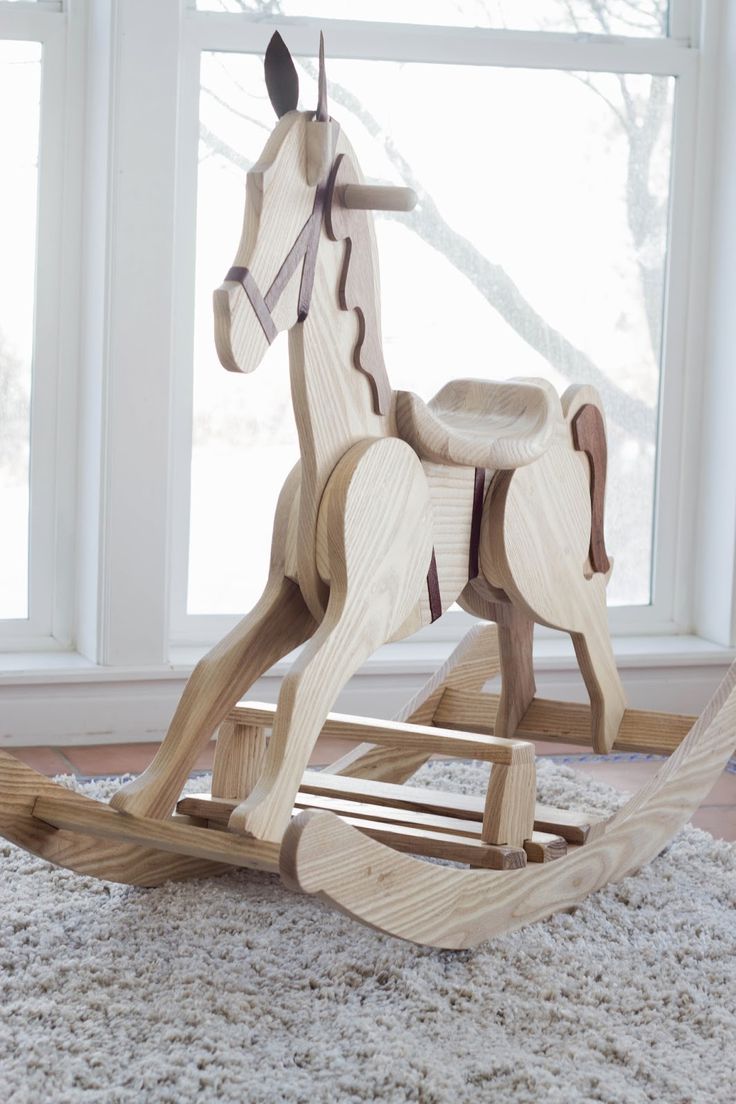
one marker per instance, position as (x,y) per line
(37,324)
(20,84)
(560,151)
(553,175)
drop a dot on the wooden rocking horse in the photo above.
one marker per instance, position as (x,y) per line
(490,495)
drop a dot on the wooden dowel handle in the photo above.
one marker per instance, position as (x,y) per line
(378,197)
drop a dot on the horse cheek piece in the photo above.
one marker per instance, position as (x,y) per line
(491,495)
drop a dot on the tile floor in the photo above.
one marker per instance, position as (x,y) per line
(717,814)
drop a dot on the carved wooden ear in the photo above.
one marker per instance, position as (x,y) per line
(282,82)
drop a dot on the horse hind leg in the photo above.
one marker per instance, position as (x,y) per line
(536,548)
(375,543)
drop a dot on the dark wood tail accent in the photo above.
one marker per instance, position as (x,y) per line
(433,589)
(589,436)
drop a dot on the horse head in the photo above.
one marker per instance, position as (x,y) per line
(269,287)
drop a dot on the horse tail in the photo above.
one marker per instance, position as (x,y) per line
(583,410)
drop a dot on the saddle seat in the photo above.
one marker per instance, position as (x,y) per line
(481,423)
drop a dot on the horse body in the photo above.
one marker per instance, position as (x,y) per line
(372,539)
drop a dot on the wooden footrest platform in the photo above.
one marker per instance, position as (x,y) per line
(420,821)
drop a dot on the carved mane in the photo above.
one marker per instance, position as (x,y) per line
(358,289)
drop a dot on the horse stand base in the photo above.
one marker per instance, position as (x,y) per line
(359,842)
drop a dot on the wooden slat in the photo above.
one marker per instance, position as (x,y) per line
(80,815)
(540,847)
(432,740)
(565,722)
(453,812)
(429,836)
(573,826)
(440,845)
(544,847)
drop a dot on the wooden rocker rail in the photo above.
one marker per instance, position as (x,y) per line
(460,908)
(330,852)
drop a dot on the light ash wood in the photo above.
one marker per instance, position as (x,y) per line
(419,738)
(539,846)
(473,662)
(385,484)
(481,423)
(573,826)
(116,861)
(536,538)
(457,908)
(335,406)
(509,812)
(378,550)
(238,759)
(566,722)
(277,624)
(75,813)
(377,197)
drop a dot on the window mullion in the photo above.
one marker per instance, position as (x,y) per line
(133,599)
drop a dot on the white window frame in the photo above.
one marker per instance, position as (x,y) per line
(49,625)
(126,151)
(670,610)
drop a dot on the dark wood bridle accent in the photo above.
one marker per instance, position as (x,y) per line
(303,250)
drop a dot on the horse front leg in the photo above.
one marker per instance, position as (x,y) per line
(374,547)
(278,623)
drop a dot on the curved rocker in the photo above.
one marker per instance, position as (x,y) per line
(454,909)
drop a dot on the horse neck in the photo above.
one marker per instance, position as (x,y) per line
(333,400)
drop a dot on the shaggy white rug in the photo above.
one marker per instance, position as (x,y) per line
(235,990)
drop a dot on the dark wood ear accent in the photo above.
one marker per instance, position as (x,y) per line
(322,115)
(282,81)
(357,290)
(589,436)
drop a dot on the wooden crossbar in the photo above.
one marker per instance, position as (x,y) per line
(79,814)
(430,740)
(565,722)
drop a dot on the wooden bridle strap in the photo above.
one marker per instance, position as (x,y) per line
(479,483)
(303,250)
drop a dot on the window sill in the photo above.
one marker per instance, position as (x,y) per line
(62,699)
(404,657)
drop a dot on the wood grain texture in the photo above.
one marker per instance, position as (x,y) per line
(425,739)
(277,624)
(481,423)
(75,813)
(540,846)
(378,548)
(536,536)
(459,908)
(238,759)
(509,812)
(473,662)
(589,436)
(113,860)
(567,722)
(357,286)
(377,197)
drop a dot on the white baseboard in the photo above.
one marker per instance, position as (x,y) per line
(83,704)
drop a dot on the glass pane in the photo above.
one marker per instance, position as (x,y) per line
(642,18)
(538,250)
(20,85)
